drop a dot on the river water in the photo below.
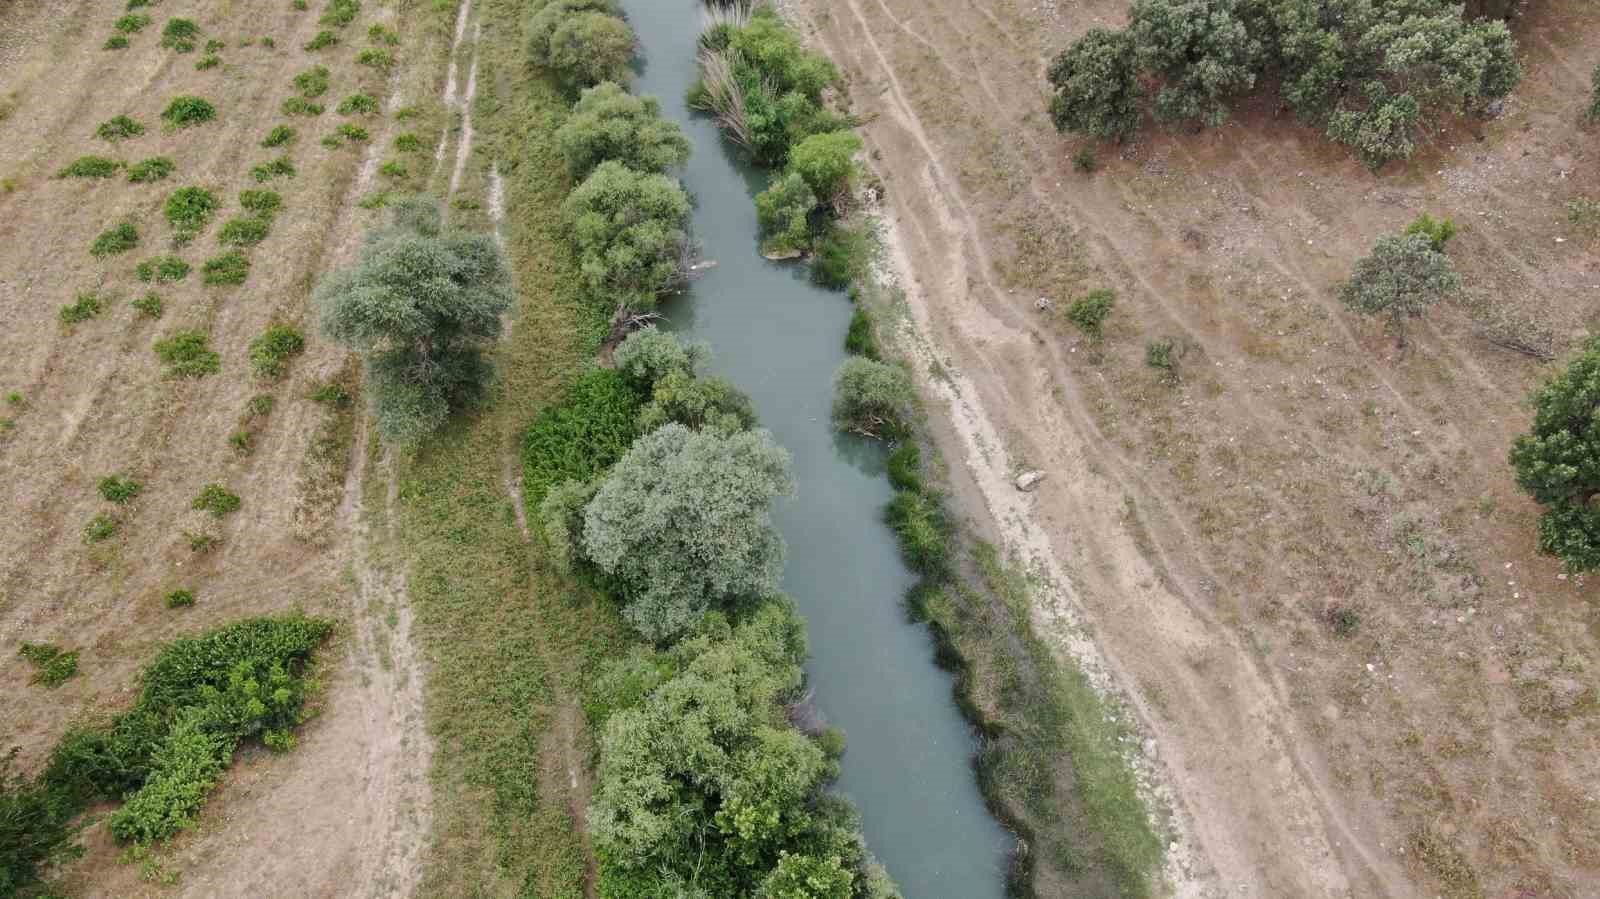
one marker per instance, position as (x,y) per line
(908,763)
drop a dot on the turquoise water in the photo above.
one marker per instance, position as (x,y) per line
(908,766)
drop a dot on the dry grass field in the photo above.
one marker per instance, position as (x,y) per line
(1305,562)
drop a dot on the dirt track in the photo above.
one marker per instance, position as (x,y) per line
(1198,534)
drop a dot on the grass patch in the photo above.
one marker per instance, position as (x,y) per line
(281,167)
(208,61)
(156,168)
(216,501)
(162,269)
(226,270)
(323,39)
(270,353)
(278,137)
(133,23)
(189,210)
(261,202)
(358,104)
(180,35)
(116,239)
(393,168)
(85,306)
(313,82)
(90,167)
(407,143)
(378,34)
(118,488)
(300,106)
(339,13)
(149,305)
(353,132)
(52,665)
(115,42)
(246,231)
(187,354)
(188,111)
(178,599)
(99,528)
(376,58)
(118,128)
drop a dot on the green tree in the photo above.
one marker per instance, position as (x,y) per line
(418,304)
(1402,277)
(684,521)
(807,877)
(783,211)
(872,398)
(1202,51)
(608,123)
(697,402)
(1558,462)
(1096,82)
(649,354)
(629,231)
(827,163)
(592,47)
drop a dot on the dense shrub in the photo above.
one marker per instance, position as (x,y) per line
(156,168)
(98,528)
(609,124)
(52,665)
(270,353)
(186,111)
(376,58)
(872,398)
(918,520)
(90,167)
(1371,74)
(118,128)
(188,355)
(561,524)
(1096,84)
(783,211)
(1402,277)
(584,42)
(580,437)
(117,239)
(119,488)
(1438,231)
(683,522)
(1090,311)
(628,228)
(827,163)
(189,210)
(711,403)
(861,338)
(650,353)
(1558,461)
(418,304)
(133,23)
(177,599)
(842,256)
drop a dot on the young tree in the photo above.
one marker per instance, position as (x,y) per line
(1558,462)
(1096,82)
(783,211)
(608,123)
(683,522)
(418,303)
(872,398)
(649,354)
(629,230)
(1202,51)
(1402,277)
(827,163)
(592,47)
(554,35)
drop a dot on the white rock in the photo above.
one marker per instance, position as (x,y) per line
(1028,480)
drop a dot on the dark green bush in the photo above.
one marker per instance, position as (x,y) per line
(119,488)
(1089,311)
(118,239)
(189,210)
(162,269)
(187,355)
(270,353)
(608,123)
(581,436)
(216,500)
(118,129)
(90,167)
(85,306)
(155,168)
(407,143)
(1555,462)
(187,111)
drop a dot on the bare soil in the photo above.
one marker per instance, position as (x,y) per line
(1198,537)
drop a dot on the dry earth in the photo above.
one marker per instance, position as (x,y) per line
(346,813)
(1195,538)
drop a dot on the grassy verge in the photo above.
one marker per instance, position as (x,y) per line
(507,644)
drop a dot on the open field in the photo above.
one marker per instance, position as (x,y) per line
(1210,532)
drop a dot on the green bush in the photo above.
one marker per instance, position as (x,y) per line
(649,354)
(407,143)
(783,212)
(149,305)
(300,106)
(118,129)
(353,132)
(156,168)
(340,13)
(270,353)
(1090,311)
(842,256)
(90,167)
(85,306)
(187,355)
(216,500)
(872,398)
(117,239)
(278,136)
(608,123)
(581,436)
(561,525)
(322,39)
(683,523)
(246,231)
(188,111)
(100,527)
(119,488)
(189,210)
(52,665)
(180,34)
(162,269)
(827,162)
(583,42)
(923,530)
(628,229)
(861,340)
(358,104)
(282,167)
(1096,84)
(177,599)
(115,42)
(1438,231)
(262,202)
(905,467)
(313,82)
(1555,462)
(1402,277)
(699,403)
(419,303)
(376,58)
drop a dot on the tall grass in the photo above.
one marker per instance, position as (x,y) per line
(721,94)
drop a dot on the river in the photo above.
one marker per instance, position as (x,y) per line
(908,765)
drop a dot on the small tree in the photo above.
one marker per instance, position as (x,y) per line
(872,398)
(1202,51)
(684,521)
(1096,83)
(628,227)
(418,303)
(649,354)
(592,47)
(609,123)
(1402,277)
(783,211)
(1089,312)
(1558,462)
(827,163)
